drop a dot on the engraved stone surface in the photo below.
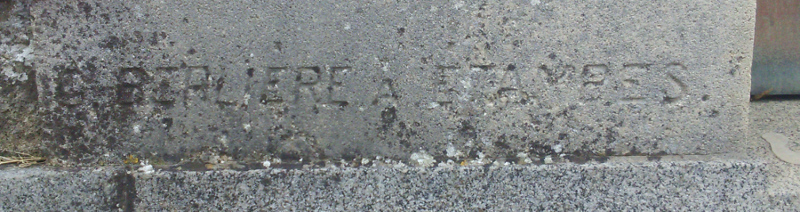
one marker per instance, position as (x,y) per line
(169,80)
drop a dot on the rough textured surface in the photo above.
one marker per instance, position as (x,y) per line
(37,189)
(20,124)
(762,183)
(777,116)
(710,186)
(169,80)
(665,186)
(247,85)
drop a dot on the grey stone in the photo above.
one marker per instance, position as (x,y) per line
(20,123)
(646,186)
(612,187)
(170,80)
(48,189)
(774,115)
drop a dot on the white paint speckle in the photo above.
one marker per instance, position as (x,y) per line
(449,163)
(558,148)
(137,129)
(26,54)
(246,127)
(548,159)
(346,26)
(224,140)
(458,5)
(364,161)
(523,158)
(266,163)
(481,160)
(453,152)
(423,159)
(137,11)
(9,72)
(535,2)
(146,168)
(467,84)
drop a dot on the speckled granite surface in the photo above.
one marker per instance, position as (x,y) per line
(647,186)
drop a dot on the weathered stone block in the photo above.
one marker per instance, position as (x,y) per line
(19,115)
(332,79)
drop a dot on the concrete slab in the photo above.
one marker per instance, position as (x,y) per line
(777,115)
(170,80)
(665,186)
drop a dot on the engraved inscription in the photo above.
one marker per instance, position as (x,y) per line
(449,85)
(166,90)
(339,75)
(130,85)
(593,80)
(678,88)
(386,93)
(260,82)
(481,85)
(197,77)
(230,92)
(307,86)
(309,75)
(268,90)
(483,81)
(637,83)
(487,85)
(632,78)
(594,75)
(510,92)
(164,86)
(554,75)
(313,88)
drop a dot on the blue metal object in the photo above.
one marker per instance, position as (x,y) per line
(776,54)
